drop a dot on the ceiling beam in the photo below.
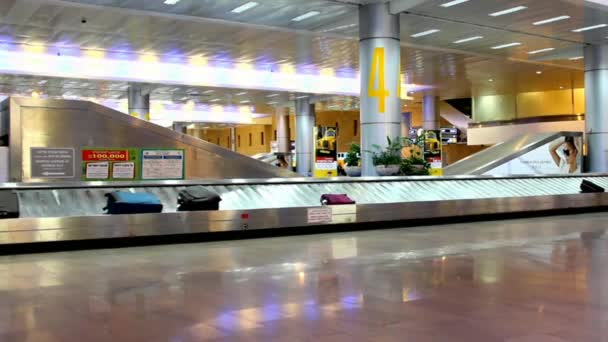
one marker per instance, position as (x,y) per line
(398,6)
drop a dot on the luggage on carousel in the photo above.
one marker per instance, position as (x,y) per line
(198,198)
(9,204)
(336,199)
(123,202)
(590,187)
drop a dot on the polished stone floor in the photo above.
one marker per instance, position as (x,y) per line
(529,280)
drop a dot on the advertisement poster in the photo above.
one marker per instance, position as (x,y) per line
(110,164)
(432,152)
(326,153)
(561,156)
(162,164)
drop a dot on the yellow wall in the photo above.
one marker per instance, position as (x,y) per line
(529,104)
(346,121)
(256,145)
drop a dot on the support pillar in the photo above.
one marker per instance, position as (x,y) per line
(380,57)
(596,103)
(283,140)
(431,114)
(305,144)
(139,102)
(233,138)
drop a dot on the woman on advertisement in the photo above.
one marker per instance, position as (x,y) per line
(565,155)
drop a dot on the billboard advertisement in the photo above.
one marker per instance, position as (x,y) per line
(326,152)
(561,156)
(432,152)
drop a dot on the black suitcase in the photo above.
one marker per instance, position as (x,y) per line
(9,204)
(590,187)
(198,198)
(123,202)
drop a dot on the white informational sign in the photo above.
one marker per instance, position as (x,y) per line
(319,215)
(561,156)
(162,164)
(4,167)
(124,170)
(52,162)
(100,170)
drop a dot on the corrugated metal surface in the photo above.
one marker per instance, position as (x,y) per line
(90,201)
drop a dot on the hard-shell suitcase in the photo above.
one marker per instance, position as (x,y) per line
(123,202)
(336,199)
(198,198)
(9,204)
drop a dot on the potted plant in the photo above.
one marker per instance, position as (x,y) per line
(387,160)
(415,166)
(353,161)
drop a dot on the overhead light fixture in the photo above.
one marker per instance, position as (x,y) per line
(507,11)
(215,100)
(301,97)
(271,103)
(505,46)
(576,58)
(470,39)
(424,33)
(539,72)
(273,95)
(209,91)
(551,20)
(540,51)
(453,3)
(306,16)
(245,7)
(245,101)
(171,2)
(241,94)
(491,80)
(588,28)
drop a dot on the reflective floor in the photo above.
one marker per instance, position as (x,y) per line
(536,280)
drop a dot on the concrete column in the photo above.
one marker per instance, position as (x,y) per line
(406,124)
(305,143)
(596,103)
(233,138)
(430,111)
(283,141)
(380,56)
(139,103)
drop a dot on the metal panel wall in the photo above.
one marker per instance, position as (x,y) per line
(63,123)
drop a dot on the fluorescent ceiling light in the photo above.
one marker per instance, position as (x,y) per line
(214,100)
(306,16)
(577,58)
(507,11)
(470,39)
(583,29)
(551,20)
(245,7)
(505,46)
(273,95)
(271,103)
(424,33)
(209,91)
(301,97)
(540,51)
(245,101)
(171,2)
(241,94)
(453,3)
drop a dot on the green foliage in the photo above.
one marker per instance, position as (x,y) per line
(415,167)
(353,157)
(389,155)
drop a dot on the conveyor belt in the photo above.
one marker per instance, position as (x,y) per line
(88,199)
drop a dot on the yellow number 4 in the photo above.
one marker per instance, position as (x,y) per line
(377,72)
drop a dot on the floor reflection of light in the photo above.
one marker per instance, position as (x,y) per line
(344,248)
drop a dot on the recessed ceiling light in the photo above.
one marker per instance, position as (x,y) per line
(244,7)
(301,97)
(540,51)
(271,103)
(576,58)
(491,80)
(424,33)
(273,95)
(551,20)
(215,100)
(306,16)
(583,29)
(245,101)
(171,2)
(208,91)
(505,46)
(539,72)
(470,39)
(241,94)
(561,87)
(453,3)
(507,11)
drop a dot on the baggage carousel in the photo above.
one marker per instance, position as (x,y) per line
(73,212)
